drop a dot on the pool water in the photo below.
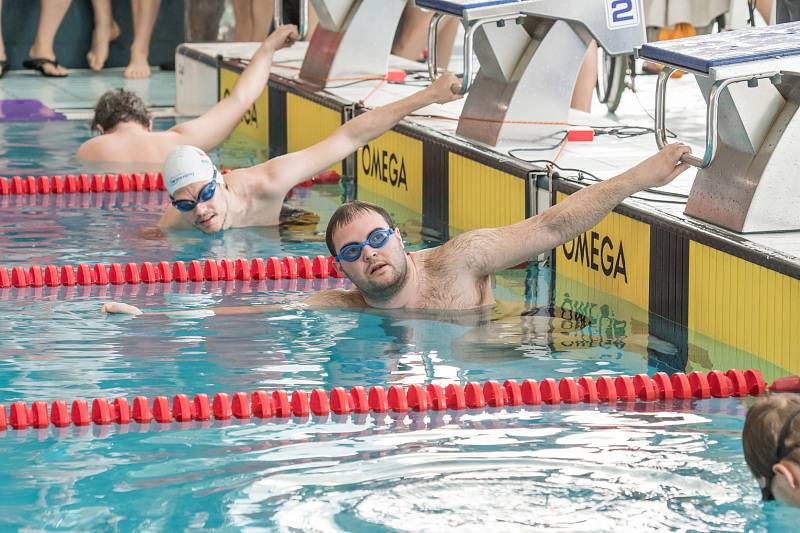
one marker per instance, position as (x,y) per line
(664,465)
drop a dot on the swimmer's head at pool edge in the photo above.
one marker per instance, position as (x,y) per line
(771,445)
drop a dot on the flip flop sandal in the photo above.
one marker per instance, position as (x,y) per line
(38,63)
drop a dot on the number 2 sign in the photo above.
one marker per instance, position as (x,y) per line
(622,13)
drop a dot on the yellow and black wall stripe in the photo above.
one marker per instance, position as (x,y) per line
(453,186)
(700,289)
(720,301)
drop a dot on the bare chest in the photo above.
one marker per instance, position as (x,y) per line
(444,289)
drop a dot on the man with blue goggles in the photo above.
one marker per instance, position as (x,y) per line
(376,239)
(203,199)
(457,275)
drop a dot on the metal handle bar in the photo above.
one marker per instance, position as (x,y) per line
(472,26)
(302,27)
(712,137)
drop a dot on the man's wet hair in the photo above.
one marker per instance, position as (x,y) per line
(762,427)
(345,213)
(118,106)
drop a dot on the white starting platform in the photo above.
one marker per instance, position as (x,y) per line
(691,275)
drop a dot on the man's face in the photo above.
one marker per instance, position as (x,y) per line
(206,216)
(377,272)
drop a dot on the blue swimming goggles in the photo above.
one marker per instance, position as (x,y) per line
(377,239)
(205,194)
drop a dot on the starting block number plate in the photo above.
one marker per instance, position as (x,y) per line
(622,13)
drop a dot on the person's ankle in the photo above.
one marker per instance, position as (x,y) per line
(41,52)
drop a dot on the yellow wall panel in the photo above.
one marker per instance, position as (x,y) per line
(307,123)
(255,122)
(482,197)
(614,256)
(391,167)
(751,309)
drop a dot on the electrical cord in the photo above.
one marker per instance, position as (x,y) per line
(582,176)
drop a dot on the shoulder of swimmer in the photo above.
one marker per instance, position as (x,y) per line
(336,298)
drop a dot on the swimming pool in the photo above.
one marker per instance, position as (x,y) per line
(672,466)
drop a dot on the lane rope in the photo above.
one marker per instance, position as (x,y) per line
(98,183)
(396,399)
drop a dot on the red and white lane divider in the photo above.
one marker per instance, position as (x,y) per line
(397,399)
(165,272)
(85,183)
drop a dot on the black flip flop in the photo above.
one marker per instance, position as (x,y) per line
(3,67)
(38,63)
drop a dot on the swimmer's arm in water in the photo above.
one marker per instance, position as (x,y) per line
(322,300)
(275,177)
(214,126)
(486,251)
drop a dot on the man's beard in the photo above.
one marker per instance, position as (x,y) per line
(386,290)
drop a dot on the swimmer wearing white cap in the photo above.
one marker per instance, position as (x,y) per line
(201,198)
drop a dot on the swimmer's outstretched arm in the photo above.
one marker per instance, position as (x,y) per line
(337,298)
(275,177)
(485,251)
(210,129)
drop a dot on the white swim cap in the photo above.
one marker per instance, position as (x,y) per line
(188,164)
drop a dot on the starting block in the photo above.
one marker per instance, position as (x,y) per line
(530,52)
(747,181)
(354,38)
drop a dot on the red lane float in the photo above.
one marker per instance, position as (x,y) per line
(96,183)
(149,272)
(100,183)
(473,395)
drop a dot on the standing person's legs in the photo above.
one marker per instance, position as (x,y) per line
(42,56)
(764,8)
(587,79)
(3,58)
(105,31)
(243,14)
(145,13)
(262,12)
(413,36)
(445,40)
(202,20)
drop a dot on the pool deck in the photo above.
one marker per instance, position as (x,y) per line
(75,95)
(691,277)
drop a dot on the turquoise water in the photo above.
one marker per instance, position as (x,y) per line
(664,466)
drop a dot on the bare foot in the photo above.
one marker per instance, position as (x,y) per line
(120,308)
(101,37)
(138,67)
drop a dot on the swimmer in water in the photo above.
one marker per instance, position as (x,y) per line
(771,444)
(201,198)
(457,275)
(126,127)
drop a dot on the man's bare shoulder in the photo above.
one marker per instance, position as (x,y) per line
(92,149)
(336,298)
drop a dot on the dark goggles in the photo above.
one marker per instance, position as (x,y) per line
(781,453)
(377,239)
(205,194)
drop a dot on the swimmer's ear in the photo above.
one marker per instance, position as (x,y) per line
(338,266)
(780,469)
(399,237)
(150,125)
(100,129)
